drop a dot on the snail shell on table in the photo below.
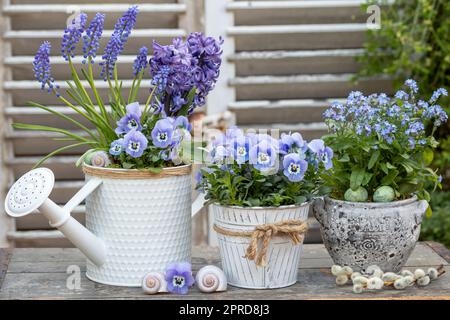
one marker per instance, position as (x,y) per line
(154,282)
(211,279)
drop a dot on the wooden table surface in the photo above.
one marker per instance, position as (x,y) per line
(41,274)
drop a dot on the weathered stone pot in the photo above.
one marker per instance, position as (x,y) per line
(359,234)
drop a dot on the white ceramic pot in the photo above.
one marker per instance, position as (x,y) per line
(144,220)
(282,255)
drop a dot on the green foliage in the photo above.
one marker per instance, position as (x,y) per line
(437,228)
(243,185)
(414,42)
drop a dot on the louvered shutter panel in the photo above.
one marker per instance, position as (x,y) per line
(28,23)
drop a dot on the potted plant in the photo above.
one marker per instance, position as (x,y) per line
(381,176)
(143,207)
(260,189)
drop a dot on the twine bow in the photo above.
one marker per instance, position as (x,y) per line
(261,236)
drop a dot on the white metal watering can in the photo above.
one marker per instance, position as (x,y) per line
(31,192)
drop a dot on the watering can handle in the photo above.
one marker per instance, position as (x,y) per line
(87,189)
(198,204)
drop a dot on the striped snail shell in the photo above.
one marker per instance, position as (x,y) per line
(154,282)
(211,279)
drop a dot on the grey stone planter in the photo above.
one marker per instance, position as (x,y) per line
(359,234)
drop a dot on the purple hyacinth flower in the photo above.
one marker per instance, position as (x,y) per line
(42,68)
(116,147)
(91,40)
(294,167)
(241,148)
(141,62)
(72,34)
(179,277)
(130,121)
(134,143)
(162,133)
(116,43)
(263,156)
(182,122)
(323,153)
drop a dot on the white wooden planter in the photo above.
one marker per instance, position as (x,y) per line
(282,256)
(144,221)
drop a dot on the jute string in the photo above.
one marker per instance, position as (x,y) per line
(136,174)
(261,236)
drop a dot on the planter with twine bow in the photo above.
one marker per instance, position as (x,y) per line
(260,247)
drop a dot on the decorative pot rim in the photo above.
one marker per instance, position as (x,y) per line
(119,173)
(375,204)
(285,207)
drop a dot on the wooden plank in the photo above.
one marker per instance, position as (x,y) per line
(440,249)
(5,256)
(41,273)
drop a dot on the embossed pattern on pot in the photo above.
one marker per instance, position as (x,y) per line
(362,234)
(145,225)
(282,256)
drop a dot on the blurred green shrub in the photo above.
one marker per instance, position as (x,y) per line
(414,42)
(437,228)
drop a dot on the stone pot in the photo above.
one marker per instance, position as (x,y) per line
(360,234)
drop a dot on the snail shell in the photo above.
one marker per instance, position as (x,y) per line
(211,279)
(154,282)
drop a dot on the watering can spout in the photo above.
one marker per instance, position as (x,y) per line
(31,193)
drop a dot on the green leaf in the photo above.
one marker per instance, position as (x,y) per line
(155,170)
(356,178)
(429,212)
(344,158)
(127,165)
(373,159)
(428,156)
(388,179)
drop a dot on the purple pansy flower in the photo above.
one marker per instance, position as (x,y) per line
(130,121)
(179,277)
(183,122)
(162,133)
(323,153)
(294,167)
(116,147)
(135,143)
(263,156)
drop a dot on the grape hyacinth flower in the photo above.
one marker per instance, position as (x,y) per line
(116,147)
(179,277)
(134,143)
(72,35)
(294,167)
(323,153)
(130,121)
(42,68)
(116,43)
(263,156)
(91,40)
(160,78)
(162,133)
(141,62)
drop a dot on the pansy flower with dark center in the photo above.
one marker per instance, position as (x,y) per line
(179,277)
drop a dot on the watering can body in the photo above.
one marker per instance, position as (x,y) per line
(134,225)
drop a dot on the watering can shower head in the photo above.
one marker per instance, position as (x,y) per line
(31,193)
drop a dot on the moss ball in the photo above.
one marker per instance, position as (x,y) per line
(384,194)
(358,195)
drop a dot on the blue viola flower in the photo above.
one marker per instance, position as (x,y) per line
(263,156)
(162,133)
(134,143)
(130,121)
(183,122)
(241,148)
(179,277)
(116,147)
(219,155)
(294,167)
(323,153)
